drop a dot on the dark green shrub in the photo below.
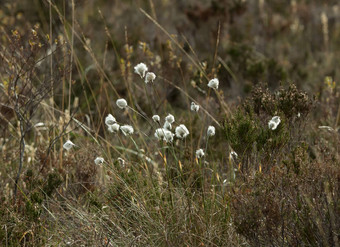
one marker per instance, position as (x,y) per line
(248,133)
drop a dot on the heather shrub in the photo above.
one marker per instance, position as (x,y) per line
(250,136)
(294,203)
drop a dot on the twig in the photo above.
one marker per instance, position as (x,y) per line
(22,152)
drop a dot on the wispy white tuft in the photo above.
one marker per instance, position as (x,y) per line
(113,128)
(168,136)
(274,122)
(194,107)
(211,131)
(141,69)
(150,77)
(109,120)
(121,103)
(170,118)
(40,126)
(213,83)
(68,145)
(326,128)
(99,161)
(121,161)
(37,125)
(156,118)
(181,131)
(233,155)
(159,133)
(127,130)
(199,153)
(167,125)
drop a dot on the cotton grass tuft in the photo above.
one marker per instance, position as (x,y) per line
(141,69)
(68,145)
(99,161)
(150,77)
(274,122)
(181,131)
(214,83)
(127,130)
(199,153)
(121,103)
(194,107)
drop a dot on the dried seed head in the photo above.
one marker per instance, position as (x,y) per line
(211,131)
(113,128)
(199,153)
(141,69)
(109,120)
(170,118)
(127,130)
(156,118)
(121,103)
(99,161)
(181,131)
(150,77)
(213,83)
(194,107)
(68,145)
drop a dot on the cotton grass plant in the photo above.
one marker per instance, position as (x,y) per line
(162,154)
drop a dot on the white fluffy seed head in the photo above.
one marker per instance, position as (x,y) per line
(194,107)
(150,77)
(276,119)
(170,118)
(68,145)
(168,136)
(272,125)
(233,155)
(167,125)
(121,103)
(159,133)
(213,83)
(326,128)
(211,131)
(37,125)
(156,118)
(127,130)
(109,120)
(141,69)
(274,122)
(121,162)
(199,153)
(181,131)
(99,161)
(113,128)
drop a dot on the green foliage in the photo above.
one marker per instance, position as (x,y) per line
(53,182)
(33,211)
(242,131)
(248,133)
